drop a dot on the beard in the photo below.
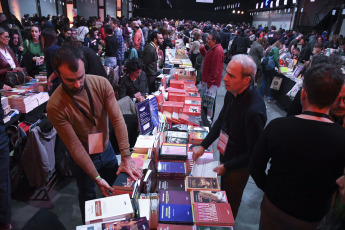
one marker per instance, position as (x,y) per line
(72,90)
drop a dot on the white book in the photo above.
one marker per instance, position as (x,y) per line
(144,208)
(203,167)
(108,208)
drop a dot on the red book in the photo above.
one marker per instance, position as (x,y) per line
(190,87)
(175,90)
(194,110)
(174,227)
(180,97)
(173,106)
(192,101)
(190,119)
(216,214)
(192,94)
(178,84)
(160,100)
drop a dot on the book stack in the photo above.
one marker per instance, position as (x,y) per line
(100,210)
(125,185)
(144,143)
(26,103)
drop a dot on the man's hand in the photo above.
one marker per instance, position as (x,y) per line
(104,187)
(220,170)
(130,167)
(198,151)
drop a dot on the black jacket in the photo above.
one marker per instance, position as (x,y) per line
(150,58)
(242,118)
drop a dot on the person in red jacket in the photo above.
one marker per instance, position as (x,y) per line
(212,71)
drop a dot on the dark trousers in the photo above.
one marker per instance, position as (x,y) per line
(151,83)
(272,218)
(265,87)
(233,183)
(119,64)
(106,165)
(5,185)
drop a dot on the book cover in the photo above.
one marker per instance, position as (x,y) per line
(154,110)
(208,150)
(190,119)
(124,182)
(176,213)
(174,227)
(214,228)
(180,97)
(202,183)
(173,106)
(171,169)
(190,162)
(178,127)
(192,94)
(176,185)
(203,167)
(132,223)
(213,214)
(98,210)
(144,143)
(209,196)
(178,84)
(171,149)
(174,197)
(177,137)
(139,159)
(192,101)
(144,117)
(194,110)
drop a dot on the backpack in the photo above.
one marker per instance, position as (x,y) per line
(268,63)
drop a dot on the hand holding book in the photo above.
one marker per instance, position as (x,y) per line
(130,167)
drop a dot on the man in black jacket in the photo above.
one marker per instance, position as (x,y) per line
(150,58)
(306,50)
(238,127)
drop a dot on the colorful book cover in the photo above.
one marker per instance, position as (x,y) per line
(144,117)
(177,137)
(171,167)
(214,228)
(202,183)
(133,223)
(209,196)
(213,214)
(174,197)
(174,227)
(124,182)
(176,213)
(176,185)
(174,149)
(194,110)
(190,119)
(139,159)
(154,110)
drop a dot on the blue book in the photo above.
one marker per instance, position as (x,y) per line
(144,117)
(154,110)
(171,170)
(176,214)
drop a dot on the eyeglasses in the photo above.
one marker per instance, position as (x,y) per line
(6,37)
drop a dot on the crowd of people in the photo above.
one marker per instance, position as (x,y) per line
(302,176)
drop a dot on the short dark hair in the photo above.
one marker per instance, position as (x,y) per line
(71,41)
(67,55)
(134,64)
(154,35)
(215,36)
(323,83)
(319,45)
(108,29)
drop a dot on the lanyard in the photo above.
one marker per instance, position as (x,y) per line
(92,119)
(316,114)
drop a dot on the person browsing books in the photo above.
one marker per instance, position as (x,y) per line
(80,109)
(238,127)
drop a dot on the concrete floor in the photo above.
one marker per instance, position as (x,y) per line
(64,201)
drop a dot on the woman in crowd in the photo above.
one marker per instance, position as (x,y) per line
(16,47)
(110,47)
(33,56)
(256,53)
(49,41)
(194,48)
(92,40)
(8,61)
(82,31)
(267,76)
(134,83)
(132,51)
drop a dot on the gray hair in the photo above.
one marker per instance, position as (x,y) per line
(248,65)
(2,31)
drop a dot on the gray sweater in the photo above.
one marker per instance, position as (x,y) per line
(256,53)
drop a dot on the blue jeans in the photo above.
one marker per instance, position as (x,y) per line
(119,63)
(267,77)
(106,165)
(110,62)
(5,185)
